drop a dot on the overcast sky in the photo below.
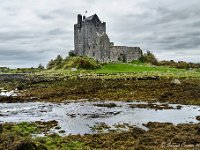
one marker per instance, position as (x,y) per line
(35,31)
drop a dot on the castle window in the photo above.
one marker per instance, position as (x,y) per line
(93,54)
(89,47)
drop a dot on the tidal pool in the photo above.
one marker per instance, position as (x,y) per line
(78,116)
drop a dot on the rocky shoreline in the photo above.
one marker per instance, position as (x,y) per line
(58,89)
(64,88)
(159,136)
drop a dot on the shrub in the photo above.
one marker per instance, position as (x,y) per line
(179,64)
(71,53)
(57,63)
(149,58)
(80,62)
(183,65)
(40,66)
(50,64)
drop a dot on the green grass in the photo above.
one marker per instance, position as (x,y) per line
(132,67)
(26,128)
(136,69)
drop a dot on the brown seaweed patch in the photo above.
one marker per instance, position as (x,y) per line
(100,127)
(152,106)
(108,105)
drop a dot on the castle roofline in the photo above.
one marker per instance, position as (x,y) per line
(92,18)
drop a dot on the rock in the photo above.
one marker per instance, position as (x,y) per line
(57,127)
(19,87)
(74,69)
(178,107)
(198,118)
(72,115)
(1,128)
(34,98)
(26,145)
(151,106)
(176,82)
(108,105)
(4,90)
(61,131)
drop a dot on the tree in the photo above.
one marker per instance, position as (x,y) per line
(40,66)
(72,53)
(50,64)
(58,62)
(149,57)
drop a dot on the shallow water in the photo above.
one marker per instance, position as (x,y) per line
(78,117)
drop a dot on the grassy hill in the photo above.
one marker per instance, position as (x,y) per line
(121,70)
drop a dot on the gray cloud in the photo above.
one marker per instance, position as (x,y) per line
(46,17)
(33,32)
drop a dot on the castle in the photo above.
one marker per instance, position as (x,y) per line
(90,39)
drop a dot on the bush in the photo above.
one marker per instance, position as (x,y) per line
(149,58)
(179,64)
(40,66)
(57,63)
(50,64)
(71,53)
(183,65)
(80,62)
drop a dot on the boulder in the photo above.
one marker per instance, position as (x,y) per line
(176,82)
(25,145)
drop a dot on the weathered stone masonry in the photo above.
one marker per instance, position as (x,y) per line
(90,39)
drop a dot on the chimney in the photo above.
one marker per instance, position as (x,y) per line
(79,18)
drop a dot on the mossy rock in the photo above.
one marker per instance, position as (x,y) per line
(25,145)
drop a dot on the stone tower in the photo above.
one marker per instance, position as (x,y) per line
(90,39)
(86,32)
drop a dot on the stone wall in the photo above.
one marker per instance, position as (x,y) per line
(109,53)
(124,53)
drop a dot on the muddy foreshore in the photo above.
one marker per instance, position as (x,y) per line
(159,136)
(58,89)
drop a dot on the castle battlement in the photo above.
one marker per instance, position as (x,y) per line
(91,39)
